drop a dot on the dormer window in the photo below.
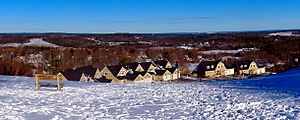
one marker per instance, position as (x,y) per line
(122,73)
(207,67)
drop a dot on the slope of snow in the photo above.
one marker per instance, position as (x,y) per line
(32,42)
(284,34)
(187,100)
(286,82)
(220,51)
(39,42)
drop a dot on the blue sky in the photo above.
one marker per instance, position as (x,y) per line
(147,15)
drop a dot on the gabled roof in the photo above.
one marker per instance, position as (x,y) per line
(171,70)
(115,69)
(103,80)
(132,65)
(132,76)
(142,73)
(87,70)
(152,73)
(160,72)
(202,67)
(228,65)
(238,64)
(146,65)
(72,75)
(162,63)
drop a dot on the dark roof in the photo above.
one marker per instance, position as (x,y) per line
(160,72)
(132,76)
(162,63)
(129,76)
(88,70)
(72,75)
(171,70)
(229,65)
(202,67)
(151,73)
(238,64)
(146,65)
(141,73)
(103,80)
(132,65)
(115,69)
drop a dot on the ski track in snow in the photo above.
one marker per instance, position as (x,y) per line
(19,100)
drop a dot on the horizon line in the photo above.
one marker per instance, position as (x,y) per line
(191,32)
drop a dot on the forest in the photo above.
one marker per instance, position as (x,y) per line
(96,49)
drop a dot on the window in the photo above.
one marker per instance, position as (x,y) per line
(241,66)
(296,60)
(245,66)
(212,66)
(105,74)
(207,67)
(122,73)
(219,66)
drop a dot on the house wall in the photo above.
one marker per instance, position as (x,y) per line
(105,72)
(262,70)
(97,74)
(169,65)
(176,75)
(229,72)
(148,77)
(253,70)
(158,78)
(152,68)
(83,78)
(210,74)
(122,72)
(243,72)
(63,77)
(139,68)
(167,76)
(221,69)
(141,79)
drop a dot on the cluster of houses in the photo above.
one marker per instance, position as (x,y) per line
(217,68)
(134,72)
(160,70)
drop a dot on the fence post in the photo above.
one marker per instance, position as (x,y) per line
(37,84)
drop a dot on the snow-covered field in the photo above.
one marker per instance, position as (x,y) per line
(32,42)
(186,100)
(220,52)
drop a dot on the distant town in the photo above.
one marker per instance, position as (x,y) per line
(131,58)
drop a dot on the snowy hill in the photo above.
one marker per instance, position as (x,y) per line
(284,34)
(288,81)
(187,100)
(32,42)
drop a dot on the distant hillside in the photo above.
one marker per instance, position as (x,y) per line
(159,39)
